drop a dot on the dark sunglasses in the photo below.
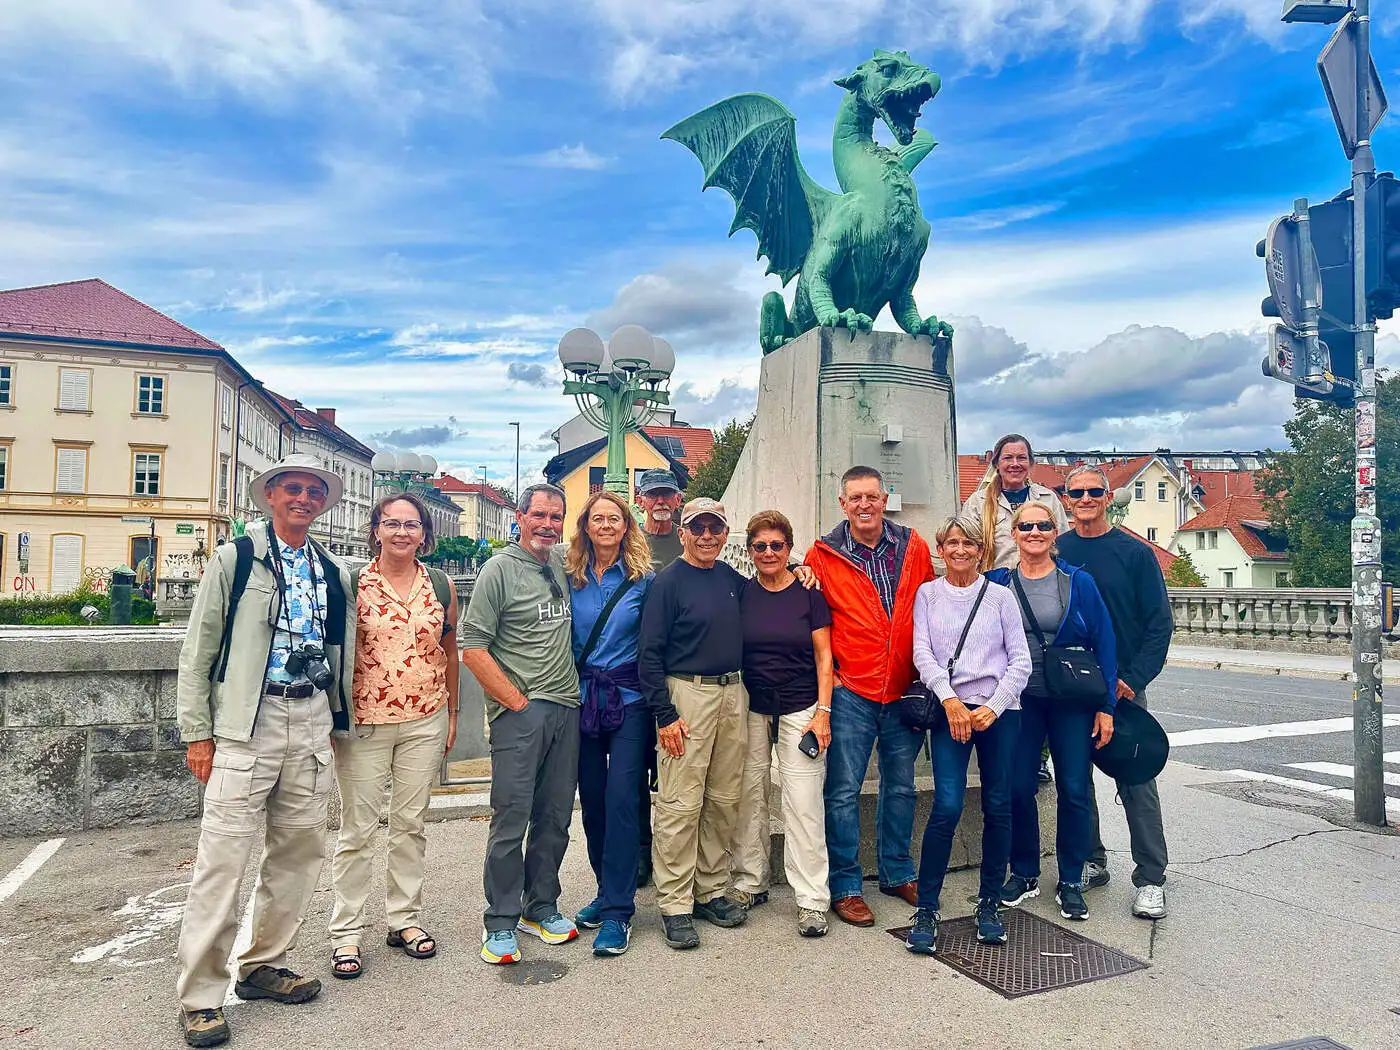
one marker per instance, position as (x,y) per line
(764,546)
(548,575)
(1096,493)
(1035,526)
(699,528)
(314,493)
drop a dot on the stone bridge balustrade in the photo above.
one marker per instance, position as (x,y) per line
(1299,619)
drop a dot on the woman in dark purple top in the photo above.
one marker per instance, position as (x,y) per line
(788,676)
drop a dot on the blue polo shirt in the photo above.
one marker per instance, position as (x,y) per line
(618,642)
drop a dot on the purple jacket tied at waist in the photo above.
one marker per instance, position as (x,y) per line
(602,696)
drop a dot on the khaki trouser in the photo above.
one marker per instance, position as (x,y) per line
(409,755)
(698,801)
(285,773)
(804,812)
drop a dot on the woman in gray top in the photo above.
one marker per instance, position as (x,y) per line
(1068,611)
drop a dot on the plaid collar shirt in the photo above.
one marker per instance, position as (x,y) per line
(878,563)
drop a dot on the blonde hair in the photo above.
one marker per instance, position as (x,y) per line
(635,554)
(993,494)
(1034,504)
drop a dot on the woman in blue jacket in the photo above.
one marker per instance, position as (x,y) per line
(1069,612)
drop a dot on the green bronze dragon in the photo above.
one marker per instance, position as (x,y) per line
(856,250)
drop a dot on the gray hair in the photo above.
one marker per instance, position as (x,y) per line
(1085,468)
(964,523)
(528,496)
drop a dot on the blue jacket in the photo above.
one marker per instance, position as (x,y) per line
(1086,622)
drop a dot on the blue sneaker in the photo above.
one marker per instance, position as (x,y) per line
(613,938)
(990,928)
(1018,889)
(590,916)
(499,947)
(552,930)
(923,935)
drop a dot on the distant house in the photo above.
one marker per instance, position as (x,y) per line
(485,513)
(1233,544)
(580,471)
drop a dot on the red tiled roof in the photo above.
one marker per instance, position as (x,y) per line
(1246,518)
(309,419)
(1217,485)
(93,310)
(972,469)
(451,484)
(1122,471)
(696,441)
(1165,558)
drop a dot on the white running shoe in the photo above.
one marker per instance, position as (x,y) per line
(1150,902)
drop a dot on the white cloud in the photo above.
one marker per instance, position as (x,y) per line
(996,218)
(578,157)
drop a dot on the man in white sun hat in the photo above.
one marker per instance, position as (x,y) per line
(264,678)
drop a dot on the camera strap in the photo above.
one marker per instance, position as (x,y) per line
(280,571)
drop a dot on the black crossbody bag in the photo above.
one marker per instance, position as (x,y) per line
(919,709)
(1073,677)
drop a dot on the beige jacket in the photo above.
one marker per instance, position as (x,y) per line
(1006,553)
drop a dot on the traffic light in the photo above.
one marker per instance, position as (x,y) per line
(1383,245)
(1331,224)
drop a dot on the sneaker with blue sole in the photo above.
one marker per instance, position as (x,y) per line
(552,930)
(499,947)
(590,916)
(613,938)
(923,935)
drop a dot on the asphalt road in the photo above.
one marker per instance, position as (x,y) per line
(1196,702)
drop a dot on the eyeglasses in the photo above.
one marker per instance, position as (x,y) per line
(764,546)
(548,575)
(1096,492)
(1035,526)
(405,526)
(700,528)
(314,493)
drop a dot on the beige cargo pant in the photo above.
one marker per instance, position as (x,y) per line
(697,805)
(284,773)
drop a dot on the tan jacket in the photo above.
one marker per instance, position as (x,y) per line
(1006,554)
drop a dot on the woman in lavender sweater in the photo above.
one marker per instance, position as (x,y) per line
(980,690)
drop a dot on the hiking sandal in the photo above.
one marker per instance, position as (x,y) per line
(346,963)
(412,946)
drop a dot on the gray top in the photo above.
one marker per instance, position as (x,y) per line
(1044,597)
(525,626)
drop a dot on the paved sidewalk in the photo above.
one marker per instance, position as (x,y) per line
(1275,914)
(1258,661)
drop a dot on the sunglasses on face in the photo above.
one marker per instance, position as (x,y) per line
(1096,492)
(1035,526)
(700,528)
(314,493)
(764,546)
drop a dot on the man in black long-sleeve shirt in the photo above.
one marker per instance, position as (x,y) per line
(1130,580)
(689,655)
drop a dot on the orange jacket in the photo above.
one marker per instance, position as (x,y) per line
(874,652)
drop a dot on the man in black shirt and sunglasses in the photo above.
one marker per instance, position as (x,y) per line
(1130,580)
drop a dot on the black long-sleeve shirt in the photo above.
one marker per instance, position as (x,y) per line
(690,625)
(1130,580)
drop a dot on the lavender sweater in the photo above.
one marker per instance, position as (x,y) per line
(995,662)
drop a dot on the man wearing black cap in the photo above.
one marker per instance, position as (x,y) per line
(660,496)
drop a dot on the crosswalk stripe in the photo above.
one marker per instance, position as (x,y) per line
(1337,770)
(1393,757)
(36,859)
(1392,805)
(1240,734)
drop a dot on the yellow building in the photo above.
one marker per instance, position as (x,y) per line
(579,471)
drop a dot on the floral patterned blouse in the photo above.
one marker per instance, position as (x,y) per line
(400,663)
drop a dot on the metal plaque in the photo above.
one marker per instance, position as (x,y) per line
(902,463)
(1337,67)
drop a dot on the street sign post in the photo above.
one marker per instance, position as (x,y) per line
(1337,65)
(136,520)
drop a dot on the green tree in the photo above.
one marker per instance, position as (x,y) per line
(1314,485)
(1182,572)
(711,478)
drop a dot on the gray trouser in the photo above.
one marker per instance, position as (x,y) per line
(1148,841)
(534,773)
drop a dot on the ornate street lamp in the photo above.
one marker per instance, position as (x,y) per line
(403,471)
(617,388)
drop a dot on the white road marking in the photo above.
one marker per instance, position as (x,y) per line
(37,858)
(1392,805)
(1336,770)
(150,916)
(1239,734)
(1393,757)
(241,943)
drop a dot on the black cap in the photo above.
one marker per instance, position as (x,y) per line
(657,478)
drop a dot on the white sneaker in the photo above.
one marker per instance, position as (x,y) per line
(811,923)
(1150,902)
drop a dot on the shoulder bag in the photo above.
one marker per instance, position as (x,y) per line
(1073,677)
(919,709)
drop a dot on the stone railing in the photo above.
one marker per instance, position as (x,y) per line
(1304,619)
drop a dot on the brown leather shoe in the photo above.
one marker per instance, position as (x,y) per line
(908,893)
(853,910)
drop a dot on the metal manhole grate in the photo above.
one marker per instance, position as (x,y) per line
(1038,956)
(1313,1042)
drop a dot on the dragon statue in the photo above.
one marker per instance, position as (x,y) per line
(856,250)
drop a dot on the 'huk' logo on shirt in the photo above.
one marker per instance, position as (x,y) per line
(553,612)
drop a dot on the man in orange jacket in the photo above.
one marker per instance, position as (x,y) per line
(869,569)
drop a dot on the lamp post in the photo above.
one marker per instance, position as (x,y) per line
(403,471)
(517,457)
(617,388)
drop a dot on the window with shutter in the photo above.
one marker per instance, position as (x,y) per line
(73,389)
(66,564)
(71,474)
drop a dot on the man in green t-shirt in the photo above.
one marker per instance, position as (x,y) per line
(516,639)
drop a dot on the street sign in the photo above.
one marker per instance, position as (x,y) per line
(184,528)
(1285,262)
(135,520)
(1337,67)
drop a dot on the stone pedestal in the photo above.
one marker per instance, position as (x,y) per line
(832,399)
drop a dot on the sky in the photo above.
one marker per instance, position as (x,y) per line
(397,208)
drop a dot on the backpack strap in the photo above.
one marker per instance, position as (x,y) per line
(445,590)
(242,567)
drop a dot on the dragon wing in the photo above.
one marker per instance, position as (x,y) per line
(747,145)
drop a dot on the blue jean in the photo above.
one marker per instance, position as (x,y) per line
(1070,746)
(995,747)
(610,771)
(857,726)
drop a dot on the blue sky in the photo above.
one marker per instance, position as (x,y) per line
(397,208)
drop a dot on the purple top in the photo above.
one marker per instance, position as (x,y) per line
(995,662)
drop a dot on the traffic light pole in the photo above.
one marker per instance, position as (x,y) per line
(1368,744)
